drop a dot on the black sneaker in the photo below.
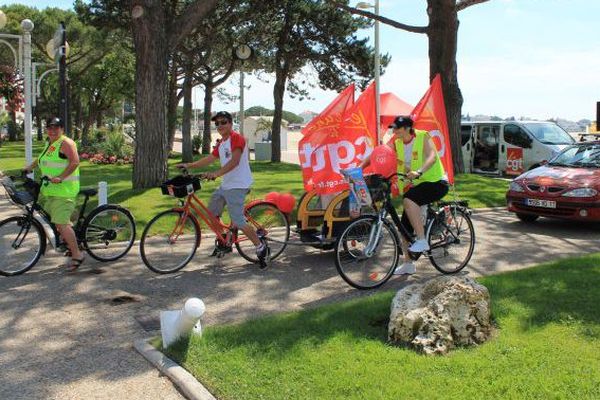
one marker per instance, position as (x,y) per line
(264,255)
(220,250)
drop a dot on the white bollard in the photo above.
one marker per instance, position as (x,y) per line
(102,193)
(180,323)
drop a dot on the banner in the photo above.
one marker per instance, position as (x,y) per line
(430,115)
(318,131)
(327,148)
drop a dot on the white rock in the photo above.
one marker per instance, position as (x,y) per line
(440,314)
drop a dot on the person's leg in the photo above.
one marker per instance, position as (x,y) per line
(422,194)
(68,234)
(408,266)
(60,210)
(216,205)
(235,204)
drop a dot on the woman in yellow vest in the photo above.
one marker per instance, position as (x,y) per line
(60,162)
(419,160)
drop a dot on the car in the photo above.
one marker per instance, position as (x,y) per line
(567,187)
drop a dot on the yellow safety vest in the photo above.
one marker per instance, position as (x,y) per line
(433,174)
(52,166)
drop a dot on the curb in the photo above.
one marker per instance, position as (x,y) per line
(183,380)
(488,209)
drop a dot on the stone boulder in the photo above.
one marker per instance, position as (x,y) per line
(440,314)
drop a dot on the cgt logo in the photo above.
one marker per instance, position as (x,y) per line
(514,161)
(336,156)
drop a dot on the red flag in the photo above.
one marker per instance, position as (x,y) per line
(430,115)
(317,134)
(341,148)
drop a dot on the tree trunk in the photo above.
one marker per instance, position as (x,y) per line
(186,128)
(172,104)
(99,119)
(38,124)
(12,126)
(443,39)
(150,41)
(208,99)
(281,74)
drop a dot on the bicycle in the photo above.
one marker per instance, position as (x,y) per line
(107,233)
(171,238)
(368,250)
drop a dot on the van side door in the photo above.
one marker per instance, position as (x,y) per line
(466,141)
(518,146)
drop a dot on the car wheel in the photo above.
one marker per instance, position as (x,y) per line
(527,217)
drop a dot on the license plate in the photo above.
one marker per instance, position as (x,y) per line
(540,203)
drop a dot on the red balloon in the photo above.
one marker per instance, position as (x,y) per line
(287,202)
(273,197)
(384,161)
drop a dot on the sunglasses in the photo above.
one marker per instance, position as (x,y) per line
(220,123)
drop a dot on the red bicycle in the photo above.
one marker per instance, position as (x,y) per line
(171,238)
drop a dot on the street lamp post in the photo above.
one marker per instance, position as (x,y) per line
(242,52)
(364,5)
(23,65)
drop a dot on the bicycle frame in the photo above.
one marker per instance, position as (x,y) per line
(194,207)
(388,209)
(37,212)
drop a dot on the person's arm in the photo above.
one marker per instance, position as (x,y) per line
(31,166)
(69,149)
(236,156)
(201,163)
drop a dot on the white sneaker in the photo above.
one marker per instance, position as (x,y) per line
(408,268)
(419,246)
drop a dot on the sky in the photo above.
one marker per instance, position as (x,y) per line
(523,58)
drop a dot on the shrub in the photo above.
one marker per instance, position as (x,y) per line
(196,144)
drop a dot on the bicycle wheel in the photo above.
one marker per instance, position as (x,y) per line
(452,240)
(358,269)
(108,232)
(270,223)
(169,241)
(22,243)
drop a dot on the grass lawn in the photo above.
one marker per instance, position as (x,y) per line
(547,347)
(145,203)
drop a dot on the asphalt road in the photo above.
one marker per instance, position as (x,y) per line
(67,336)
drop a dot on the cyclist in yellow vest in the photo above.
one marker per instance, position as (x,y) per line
(60,162)
(418,159)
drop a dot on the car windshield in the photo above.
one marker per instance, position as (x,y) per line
(549,133)
(579,156)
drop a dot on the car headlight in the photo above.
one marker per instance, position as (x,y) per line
(581,192)
(515,187)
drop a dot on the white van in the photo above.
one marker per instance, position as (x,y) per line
(510,147)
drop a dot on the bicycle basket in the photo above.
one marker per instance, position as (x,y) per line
(377,186)
(180,186)
(19,197)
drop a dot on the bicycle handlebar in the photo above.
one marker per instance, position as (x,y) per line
(186,172)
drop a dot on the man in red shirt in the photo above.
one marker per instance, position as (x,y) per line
(232,153)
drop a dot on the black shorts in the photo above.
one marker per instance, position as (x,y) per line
(424,193)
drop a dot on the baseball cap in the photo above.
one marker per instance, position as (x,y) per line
(55,122)
(222,114)
(402,121)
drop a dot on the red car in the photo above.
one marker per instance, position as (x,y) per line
(566,187)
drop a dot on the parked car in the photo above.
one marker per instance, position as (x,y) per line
(568,186)
(510,147)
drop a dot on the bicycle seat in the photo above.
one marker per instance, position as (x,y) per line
(88,192)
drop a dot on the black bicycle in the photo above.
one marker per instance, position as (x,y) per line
(106,233)
(368,250)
